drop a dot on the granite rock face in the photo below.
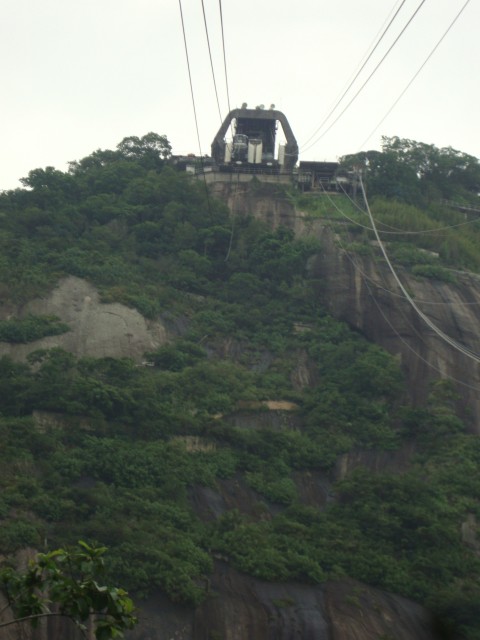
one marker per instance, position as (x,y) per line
(96,329)
(357,612)
(239,607)
(362,291)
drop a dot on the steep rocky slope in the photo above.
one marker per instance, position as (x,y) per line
(242,608)
(361,290)
(356,289)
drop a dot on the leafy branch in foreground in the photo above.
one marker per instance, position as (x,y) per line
(65,583)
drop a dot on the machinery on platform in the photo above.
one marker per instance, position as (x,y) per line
(247,143)
(253,145)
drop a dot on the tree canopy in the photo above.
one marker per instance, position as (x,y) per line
(417,172)
(66,583)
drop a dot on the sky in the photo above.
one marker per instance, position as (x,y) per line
(78,76)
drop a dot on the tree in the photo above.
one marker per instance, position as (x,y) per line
(150,150)
(66,583)
(96,160)
(51,187)
(385,175)
(417,172)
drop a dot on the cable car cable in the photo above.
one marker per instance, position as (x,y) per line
(396,230)
(332,110)
(224,55)
(393,293)
(211,62)
(194,108)
(415,76)
(446,338)
(410,348)
(190,78)
(367,278)
(312,144)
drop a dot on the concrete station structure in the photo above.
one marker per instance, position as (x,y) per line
(252,149)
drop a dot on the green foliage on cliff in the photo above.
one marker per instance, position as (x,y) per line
(30,328)
(129,456)
(425,202)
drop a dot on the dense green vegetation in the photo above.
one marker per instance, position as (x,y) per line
(419,173)
(114,453)
(416,193)
(435,235)
(30,328)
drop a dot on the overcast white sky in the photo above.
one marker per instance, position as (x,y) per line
(78,75)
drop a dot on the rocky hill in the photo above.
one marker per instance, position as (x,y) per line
(362,291)
(354,288)
(176,385)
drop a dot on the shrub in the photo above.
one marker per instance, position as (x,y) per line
(31,328)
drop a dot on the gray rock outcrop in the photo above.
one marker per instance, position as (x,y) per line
(96,329)
(239,607)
